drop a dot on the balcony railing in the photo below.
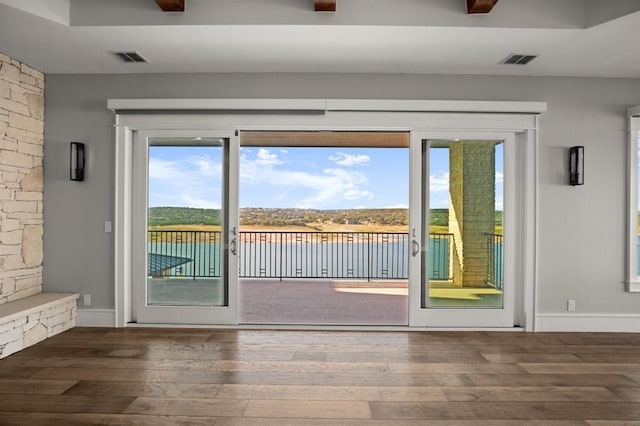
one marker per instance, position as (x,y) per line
(279,255)
(494,266)
(194,254)
(354,255)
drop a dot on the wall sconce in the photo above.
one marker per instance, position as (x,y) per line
(76,167)
(576,165)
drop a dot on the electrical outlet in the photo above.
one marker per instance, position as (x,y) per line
(571,305)
(86,300)
(107,226)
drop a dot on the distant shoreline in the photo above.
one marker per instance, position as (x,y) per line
(324,227)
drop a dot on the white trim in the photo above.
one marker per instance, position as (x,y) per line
(119,105)
(519,211)
(122,224)
(633,286)
(632,199)
(416,203)
(323,105)
(96,318)
(633,111)
(333,120)
(435,106)
(307,327)
(530,298)
(588,323)
(433,116)
(143,312)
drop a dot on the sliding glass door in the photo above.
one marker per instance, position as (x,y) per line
(462,230)
(184,228)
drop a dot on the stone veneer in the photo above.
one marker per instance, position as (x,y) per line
(29,320)
(27,315)
(21,159)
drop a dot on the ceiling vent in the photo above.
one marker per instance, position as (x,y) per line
(131,57)
(518,59)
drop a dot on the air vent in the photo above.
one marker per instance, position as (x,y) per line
(131,57)
(518,59)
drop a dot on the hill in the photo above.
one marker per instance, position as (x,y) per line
(159,216)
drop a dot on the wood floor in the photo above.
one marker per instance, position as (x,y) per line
(146,376)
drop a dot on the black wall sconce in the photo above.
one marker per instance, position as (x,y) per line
(76,167)
(576,165)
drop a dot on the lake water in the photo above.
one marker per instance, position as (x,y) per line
(356,260)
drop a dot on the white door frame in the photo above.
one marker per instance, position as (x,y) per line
(633,279)
(420,316)
(520,118)
(158,314)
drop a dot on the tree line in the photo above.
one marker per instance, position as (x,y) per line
(159,216)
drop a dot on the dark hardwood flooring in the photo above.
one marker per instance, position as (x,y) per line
(146,376)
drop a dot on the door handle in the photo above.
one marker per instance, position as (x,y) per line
(233,246)
(416,248)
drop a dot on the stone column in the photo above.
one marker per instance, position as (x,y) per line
(21,154)
(472,209)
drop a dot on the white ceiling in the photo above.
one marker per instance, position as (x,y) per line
(593,38)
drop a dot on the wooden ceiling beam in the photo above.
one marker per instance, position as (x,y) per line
(480,6)
(331,139)
(171,5)
(324,5)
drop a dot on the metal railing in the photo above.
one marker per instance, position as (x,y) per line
(494,266)
(198,249)
(355,255)
(349,255)
(440,246)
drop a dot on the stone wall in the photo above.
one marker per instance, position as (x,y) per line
(472,210)
(21,181)
(33,319)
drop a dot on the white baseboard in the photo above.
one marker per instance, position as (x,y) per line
(633,287)
(629,323)
(622,323)
(96,318)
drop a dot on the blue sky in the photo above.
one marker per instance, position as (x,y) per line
(319,178)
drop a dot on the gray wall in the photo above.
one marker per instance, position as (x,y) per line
(581,232)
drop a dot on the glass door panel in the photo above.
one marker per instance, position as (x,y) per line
(185,229)
(465,224)
(184,223)
(459,234)
(636,233)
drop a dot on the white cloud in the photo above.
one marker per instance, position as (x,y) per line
(439,182)
(190,182)
(499,177)
(343,159)
(266,158)
(324,187)
(161,169)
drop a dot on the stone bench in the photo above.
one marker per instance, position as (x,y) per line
(27,321)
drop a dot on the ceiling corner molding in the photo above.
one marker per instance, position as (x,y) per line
(171,5)
(53,10)
(324,5)
(480,6)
